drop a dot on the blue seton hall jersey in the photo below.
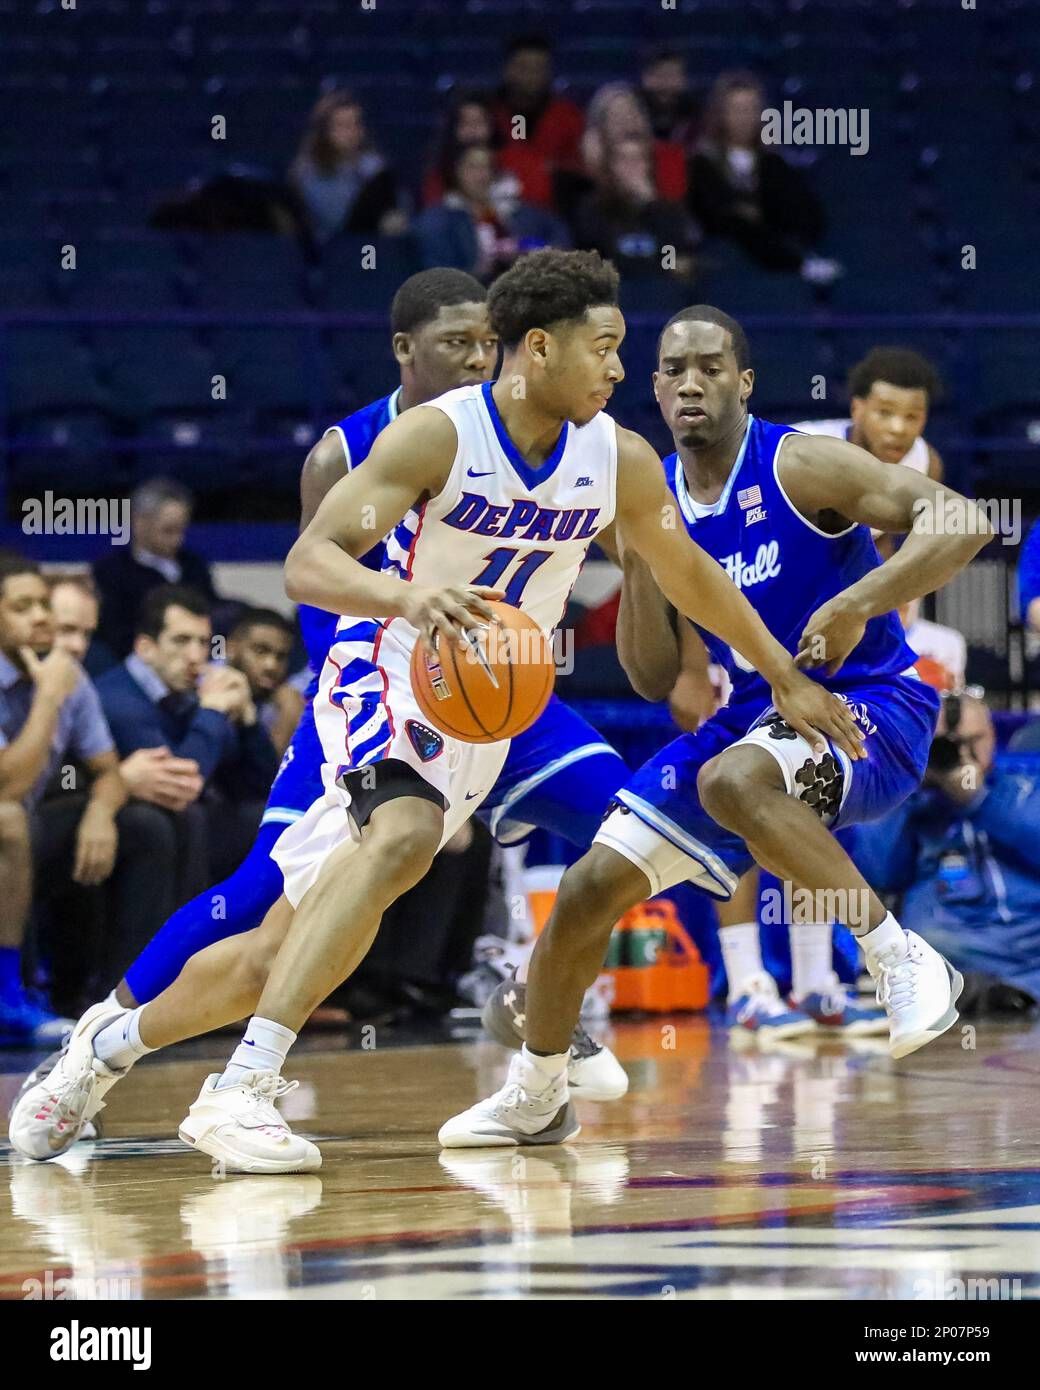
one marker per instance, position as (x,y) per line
(784,565)
(357,434)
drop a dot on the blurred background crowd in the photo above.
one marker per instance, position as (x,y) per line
(204,215)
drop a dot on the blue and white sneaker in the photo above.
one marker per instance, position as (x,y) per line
(759,1009)
(837,1010)
(25,1022)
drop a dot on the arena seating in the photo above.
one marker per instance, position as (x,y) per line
(109,368)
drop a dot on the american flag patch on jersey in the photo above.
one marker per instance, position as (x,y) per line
(750,496)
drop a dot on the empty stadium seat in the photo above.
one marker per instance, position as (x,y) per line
(155,368)
(269,368)
(49,369)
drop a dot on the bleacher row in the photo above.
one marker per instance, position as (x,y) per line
(107,370)
(105,108)
(97,404)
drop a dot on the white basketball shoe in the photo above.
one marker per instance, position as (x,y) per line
(50,1116)
(91,1129)
(593,1072)
(918,989)
(517,1114)
(240,1127)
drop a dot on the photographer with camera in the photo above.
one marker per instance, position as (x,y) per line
(964,854)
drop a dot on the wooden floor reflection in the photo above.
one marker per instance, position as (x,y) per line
(805,1170)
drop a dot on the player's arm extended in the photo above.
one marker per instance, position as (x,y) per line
(944,531)
(699,587)
(410,461)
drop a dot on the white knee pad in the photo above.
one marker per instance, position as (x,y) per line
(663,863)
(821,782)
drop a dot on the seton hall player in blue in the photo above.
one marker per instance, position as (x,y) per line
(788,517)
(544,469)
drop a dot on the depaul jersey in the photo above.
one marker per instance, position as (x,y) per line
(785,566)
(499,522)
(357,434)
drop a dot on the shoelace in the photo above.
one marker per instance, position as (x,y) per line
(509,1096)
(514,1091)
(897,985)
(263,1093)
(582,1046)
(60,1103)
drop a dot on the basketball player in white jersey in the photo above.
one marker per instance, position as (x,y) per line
(890,393)
(502,486)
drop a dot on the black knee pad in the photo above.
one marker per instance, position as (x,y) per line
(387,780)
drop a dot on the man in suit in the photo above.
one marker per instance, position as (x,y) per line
(160,511)
(167,695)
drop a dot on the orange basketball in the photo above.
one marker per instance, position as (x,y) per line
(490,686)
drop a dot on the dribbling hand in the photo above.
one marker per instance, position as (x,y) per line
(450,611)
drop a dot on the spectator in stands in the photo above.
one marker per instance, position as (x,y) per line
(624,219)
(520,173)
(467,232)
(550,126)
(151,774)
(160,511)
(665,93)
(1029,579)
(53,737)
(260,645)
(617,115)
(748,193)
(964,853)
(345,183)
(166,696)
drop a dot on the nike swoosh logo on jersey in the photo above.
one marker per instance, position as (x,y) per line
(471,474)
(471,795)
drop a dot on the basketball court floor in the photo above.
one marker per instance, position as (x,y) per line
(805,1170)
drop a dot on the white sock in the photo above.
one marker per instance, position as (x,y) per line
(742,955)
(812,960)
(543,1071)
(263,1048)
(119,1043)
(886,934)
